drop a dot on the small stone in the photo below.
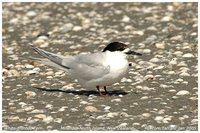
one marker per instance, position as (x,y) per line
(158,68)
(182,93)
(125,19)
(74,109)
(194,121)
(177,38)
(159,118)
(144,97)
(124,114)
(166,119)
(116,100)
(31,14)
(173,62)
(40,116)
(107,108)
(149,77)
(62,108)
(188,55)
(100,117)
(178,53)
(91,109)
(182,64)
(77,28)
(29,66)
(68,87)
(166,19)
(58,120)
(146,51)
(36,111)
(140,33)
(49,106)
(160,45)
(31,72)
(14,21)
(30,94)
(48,119)
(154,60)
(83,102)
(112,114)
(123,125)
(172,90)
(29,108)
(13,118)
(150,39)
(184,74)
(66,27)
(146,115)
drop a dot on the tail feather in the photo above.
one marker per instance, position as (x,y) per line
(52,59)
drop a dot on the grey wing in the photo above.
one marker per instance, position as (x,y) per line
(89,66)
(56,60)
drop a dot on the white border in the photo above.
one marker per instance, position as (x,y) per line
(94,1)
(99,0)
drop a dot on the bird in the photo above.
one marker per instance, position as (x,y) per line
(100,69)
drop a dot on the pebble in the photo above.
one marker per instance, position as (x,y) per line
(40,116)
(29,66)
(178,53)
(166,19)
(146,115)
(62,109)
(125,19)
(14,21)
(172,90)
(77,28)
(154,60)
(68,87)
(188,55)
(91,109)
(13,118)
(107,108)
(74,109)
(124,114)
(30,94)
(31,14)
(177,38)
(83,102)
(194,121)
(182,64)
(48,119)
(149,77)
(122,125)
(116,100)
(66,27)
(112,114)
(160,45)
(159,119)
(49,106)
(182,93)
(184,74)
(146,51)
(58,120)
(166,119)
(144,97)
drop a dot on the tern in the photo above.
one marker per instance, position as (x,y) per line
(98,69)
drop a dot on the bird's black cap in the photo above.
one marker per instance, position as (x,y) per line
(115,46)
(118,46)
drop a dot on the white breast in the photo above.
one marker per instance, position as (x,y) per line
(118,68)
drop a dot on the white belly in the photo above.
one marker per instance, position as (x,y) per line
(118,69)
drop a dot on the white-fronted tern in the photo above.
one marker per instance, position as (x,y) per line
(92,70)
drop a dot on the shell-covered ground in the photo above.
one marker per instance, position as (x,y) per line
(160,92)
